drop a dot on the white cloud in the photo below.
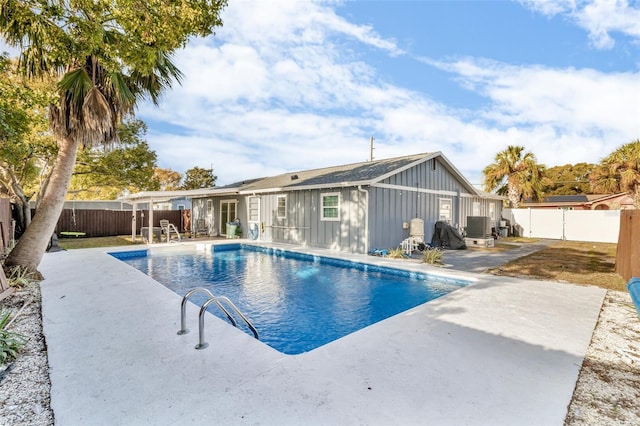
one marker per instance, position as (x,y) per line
(599,18)
(571,100)
(278,89)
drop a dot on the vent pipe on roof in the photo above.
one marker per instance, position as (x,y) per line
(371,149)
(294,177)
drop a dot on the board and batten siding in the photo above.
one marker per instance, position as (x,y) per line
(304,226)
(416,193)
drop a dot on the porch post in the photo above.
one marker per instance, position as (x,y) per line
(133,223)
(150,239)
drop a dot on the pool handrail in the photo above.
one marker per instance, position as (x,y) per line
(183,309)
(201,343)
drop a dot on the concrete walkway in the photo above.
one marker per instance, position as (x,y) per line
(479,260)
(501,351)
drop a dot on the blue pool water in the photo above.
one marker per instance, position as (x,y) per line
(297,302)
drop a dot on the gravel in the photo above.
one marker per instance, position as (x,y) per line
(608,389)
(25,387)
(607,392)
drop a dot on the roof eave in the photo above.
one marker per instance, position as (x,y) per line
(305,187)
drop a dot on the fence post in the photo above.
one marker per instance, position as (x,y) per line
(628,254)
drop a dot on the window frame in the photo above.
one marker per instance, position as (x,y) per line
(278,215)
(449,203)
(323,208)
(253,207)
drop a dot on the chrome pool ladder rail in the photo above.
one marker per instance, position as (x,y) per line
(183,309)
(216,299)
(212,299)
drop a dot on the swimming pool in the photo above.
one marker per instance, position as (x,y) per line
(298,302)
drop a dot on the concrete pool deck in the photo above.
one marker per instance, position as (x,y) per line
(501,351)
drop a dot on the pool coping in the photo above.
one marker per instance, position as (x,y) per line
(500,351)
(395,273)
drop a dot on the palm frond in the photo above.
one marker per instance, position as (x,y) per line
(96,111)
(152,84)
(75,85)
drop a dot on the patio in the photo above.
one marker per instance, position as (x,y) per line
(501,351)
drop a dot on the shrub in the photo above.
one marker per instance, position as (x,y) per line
(20,277)
(10,343)
(432,256)
(396,253)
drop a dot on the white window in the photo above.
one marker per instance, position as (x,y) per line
(209,205)
(444,209)
(476,209)
(331,206)
(282,207)
(492,211)
(254,209)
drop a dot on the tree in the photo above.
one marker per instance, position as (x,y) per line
(105,173)
(570,179)
(198,177)
(26,147)
(515,175)
(108,56)
(619,172)
(167,179)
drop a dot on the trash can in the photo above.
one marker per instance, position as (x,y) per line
(504,232)
(231,230)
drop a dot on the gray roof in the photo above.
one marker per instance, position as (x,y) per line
(344,175)
(364,173)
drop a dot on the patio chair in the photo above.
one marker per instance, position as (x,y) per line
(167,227)
(201,227)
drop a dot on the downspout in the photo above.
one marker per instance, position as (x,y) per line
(366,218)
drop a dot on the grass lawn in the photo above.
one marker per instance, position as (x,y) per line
(81,243)
(569,261)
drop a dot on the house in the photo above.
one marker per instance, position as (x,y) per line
(618,201)
(180,203)
(351,208)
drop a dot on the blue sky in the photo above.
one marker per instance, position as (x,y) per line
(294,85)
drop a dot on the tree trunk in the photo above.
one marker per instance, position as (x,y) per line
(33,244)
(17,196)
(513,196)
(26,214)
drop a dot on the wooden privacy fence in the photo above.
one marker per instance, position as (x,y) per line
(628,255)
(5,223)
(106,223)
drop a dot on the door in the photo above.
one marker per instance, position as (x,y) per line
(228,213)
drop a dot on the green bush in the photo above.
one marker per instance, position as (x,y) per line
(10,343)
(432,256)
(396,253)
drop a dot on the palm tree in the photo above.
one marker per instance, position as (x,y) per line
(108,59)
(619,172)
(514,175)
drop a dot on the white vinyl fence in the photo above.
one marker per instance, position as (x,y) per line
(600,226)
